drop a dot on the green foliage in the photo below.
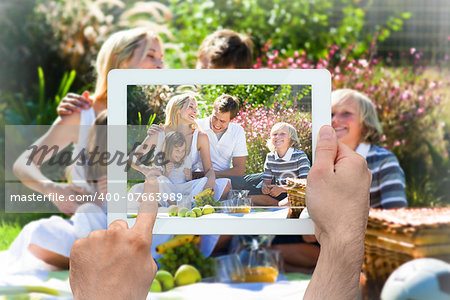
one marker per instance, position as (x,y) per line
(258,121)
(25,44)
(290,25)
(245,93)
(37,109)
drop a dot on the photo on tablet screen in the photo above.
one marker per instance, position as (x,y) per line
(260,144)
(221,151)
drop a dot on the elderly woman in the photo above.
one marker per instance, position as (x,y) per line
(355,121)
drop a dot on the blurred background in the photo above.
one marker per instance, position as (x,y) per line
(397,52)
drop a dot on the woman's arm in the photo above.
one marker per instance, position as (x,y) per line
(203,147)
(27,167)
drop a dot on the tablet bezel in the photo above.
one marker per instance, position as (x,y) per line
(119,79)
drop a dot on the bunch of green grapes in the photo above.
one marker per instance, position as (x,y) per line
(190,254)
(207,199)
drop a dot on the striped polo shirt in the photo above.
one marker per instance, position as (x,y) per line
(388,180)
(294,164)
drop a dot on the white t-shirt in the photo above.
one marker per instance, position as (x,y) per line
(231,144)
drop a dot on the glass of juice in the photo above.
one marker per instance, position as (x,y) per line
(229,269)
(261,267)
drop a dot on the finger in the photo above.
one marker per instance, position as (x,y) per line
(85,95)
(63,111)
(148,209)
(80,102)
(326,149)
(70,106)
(118,225)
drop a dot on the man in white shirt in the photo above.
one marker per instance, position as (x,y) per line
(227,143)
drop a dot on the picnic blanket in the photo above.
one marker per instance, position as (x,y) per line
(56,287)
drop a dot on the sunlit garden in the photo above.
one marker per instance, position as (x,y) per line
(48,49)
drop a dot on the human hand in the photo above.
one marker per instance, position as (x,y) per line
(188,174)
(337,198)
(276,190)
(151,171)
(337,194)
(155,129)
(116,263)
(66,194)
(169,168)
(74,103)
(265,189)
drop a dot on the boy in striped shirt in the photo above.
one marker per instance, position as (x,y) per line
(284,161)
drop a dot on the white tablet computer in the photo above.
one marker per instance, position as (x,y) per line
(138,98)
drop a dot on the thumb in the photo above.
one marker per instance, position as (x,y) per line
(326,149)
(86,95)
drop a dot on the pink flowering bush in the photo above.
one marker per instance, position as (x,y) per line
(410,102)
(257,122)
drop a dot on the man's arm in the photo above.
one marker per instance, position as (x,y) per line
(238,168)
(338,179)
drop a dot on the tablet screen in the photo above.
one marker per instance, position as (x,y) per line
(221,151)
(259,149)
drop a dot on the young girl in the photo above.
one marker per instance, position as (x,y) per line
(284,161)
(174,175)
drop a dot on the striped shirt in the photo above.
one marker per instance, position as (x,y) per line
(388,180)
(294,164)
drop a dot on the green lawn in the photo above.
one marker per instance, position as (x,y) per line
(8,232)
(11,224)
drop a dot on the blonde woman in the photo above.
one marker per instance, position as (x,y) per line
(50,240)
(356,123)
(134,48)
(181,111)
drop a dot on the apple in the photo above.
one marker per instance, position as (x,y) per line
(187,274)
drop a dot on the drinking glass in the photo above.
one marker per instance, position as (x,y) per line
(229,269)
(261,266)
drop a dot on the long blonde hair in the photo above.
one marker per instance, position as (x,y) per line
(119,48)
(97,143)
(174,105)
(371,127)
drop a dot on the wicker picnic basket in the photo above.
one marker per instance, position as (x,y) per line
(396,236)
(296,190)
